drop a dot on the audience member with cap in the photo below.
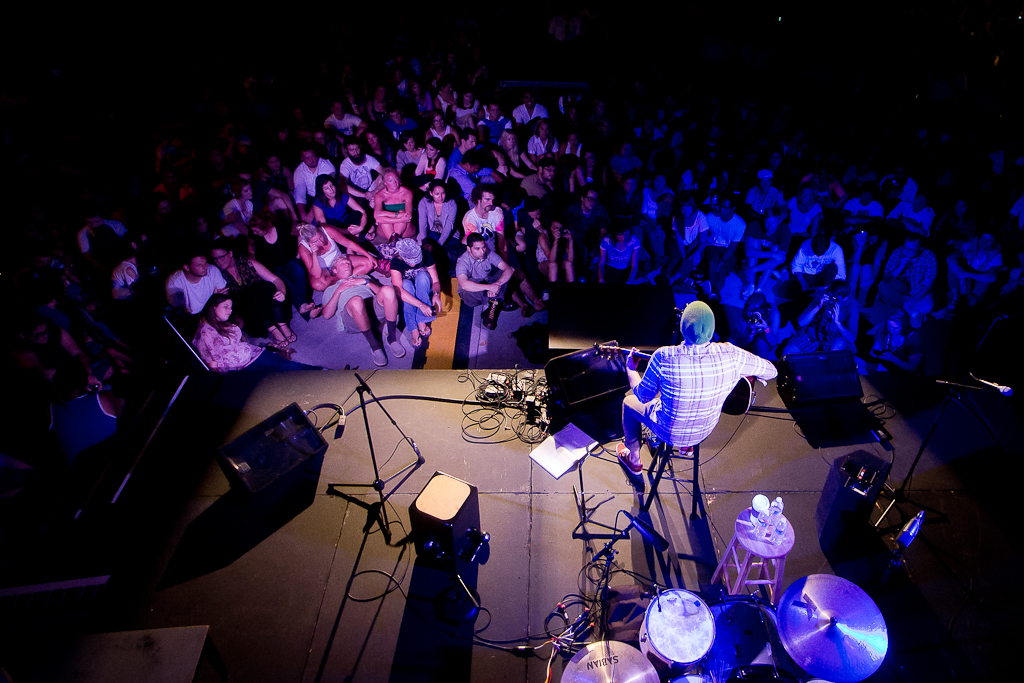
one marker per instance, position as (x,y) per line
(681,393)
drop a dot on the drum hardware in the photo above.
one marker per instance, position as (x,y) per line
(747,643)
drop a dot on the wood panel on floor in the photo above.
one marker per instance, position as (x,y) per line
(440,346)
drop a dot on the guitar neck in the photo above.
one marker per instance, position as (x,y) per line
(610,347)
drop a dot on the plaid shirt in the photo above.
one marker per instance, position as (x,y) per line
(694,382)
(918,270)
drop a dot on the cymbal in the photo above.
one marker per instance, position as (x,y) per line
(609,661)
(832,629)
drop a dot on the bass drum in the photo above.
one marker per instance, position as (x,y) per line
(747,645)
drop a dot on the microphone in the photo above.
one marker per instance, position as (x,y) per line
(1004,390)
(647,531)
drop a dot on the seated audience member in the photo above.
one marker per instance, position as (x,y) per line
(542,143)
(859,175)
(436,214)
(972,268)
(529,110)
(897,187)
(627,203)
(464,173)
(258,294)
(915,216)
(618,256)
(304,180)
(467,144)
(897,345)
(392,207)
(220,343)
(237,213)
(359,169)
(512,162)
(906,282)
(725,232)
(278,251)
(421,97)
(817,263)
(862,209)
(409,153)
(765,202)
(685,245)
(624,162)
(442,132)
(342,122)
(867,251)
(551,245)
(397,121)
(829,323)
(193,285)
(431,166)
(318,249)
(804,214)
(482,277)
(588,222)
(98,240)
(490,127)
(379,146)
(541,183)
(126,273)
(485,219)
(655,212)
(766,247)
(466,109)
(346,297)
(42,348)
(763,329)
(82,415)
(956,226)
(413,270)
(338,209)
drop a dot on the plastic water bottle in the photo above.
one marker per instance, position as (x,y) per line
(779,530)
(759,515)
(774,515)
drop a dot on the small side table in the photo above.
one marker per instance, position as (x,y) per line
(756,562)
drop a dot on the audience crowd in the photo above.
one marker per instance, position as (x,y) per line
(406,182)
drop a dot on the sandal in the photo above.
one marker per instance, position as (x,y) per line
(277,337)
(416,339)
(427,331)
(290,335)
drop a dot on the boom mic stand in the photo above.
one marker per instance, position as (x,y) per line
(377,512)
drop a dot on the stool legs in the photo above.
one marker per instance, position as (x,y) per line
(662,455)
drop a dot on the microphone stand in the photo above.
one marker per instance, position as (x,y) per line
(377,511)
(953,393)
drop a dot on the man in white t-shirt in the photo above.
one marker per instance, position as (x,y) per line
(863,209)
(193,285)
(529,110)
(358,168)
(486,219)
(725,232)
(816,264)
(342,122)
(915,217)
(304,178)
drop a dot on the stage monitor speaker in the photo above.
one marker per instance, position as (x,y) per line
(273,450)
(847,499)
(445,516)
(807,379)
(587,388)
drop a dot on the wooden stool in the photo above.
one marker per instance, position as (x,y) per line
(663,452)
(762,563)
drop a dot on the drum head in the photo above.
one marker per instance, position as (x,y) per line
(679,627)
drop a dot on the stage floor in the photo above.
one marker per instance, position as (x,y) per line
(299,592)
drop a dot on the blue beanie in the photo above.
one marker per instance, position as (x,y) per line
(698,324)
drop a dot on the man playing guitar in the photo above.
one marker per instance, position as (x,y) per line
(681,394)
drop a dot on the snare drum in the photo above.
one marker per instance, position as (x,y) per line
(678,629)
(747,646)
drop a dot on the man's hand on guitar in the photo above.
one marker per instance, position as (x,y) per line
(631,360)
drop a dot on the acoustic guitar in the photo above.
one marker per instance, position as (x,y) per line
(738,401)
